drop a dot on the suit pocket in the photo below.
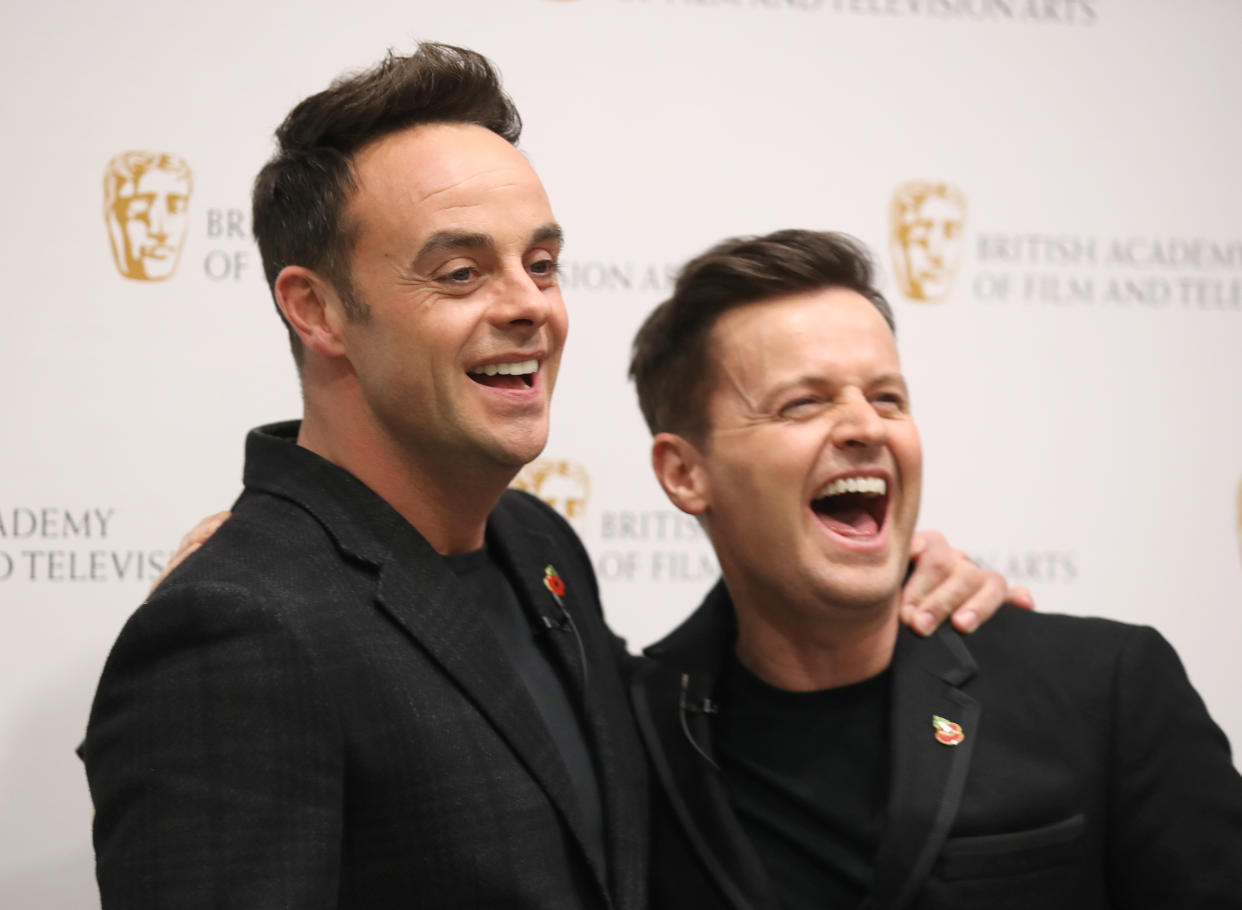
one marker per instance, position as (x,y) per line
(1013,853)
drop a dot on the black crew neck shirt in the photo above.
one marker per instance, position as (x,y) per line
(493,594)
(808,776)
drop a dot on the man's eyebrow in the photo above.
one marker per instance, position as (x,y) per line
(475,240)
(455,240)
(885,378)
(548,233)
(818,380)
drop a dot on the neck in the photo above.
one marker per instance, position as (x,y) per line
(446,500)
(808,651)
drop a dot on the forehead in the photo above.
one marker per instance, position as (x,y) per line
(441,176)
(831,334)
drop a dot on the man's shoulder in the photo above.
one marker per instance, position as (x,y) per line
(264,537)
(520,512)
(1021,643)
(271,565)
(1016,627)
(532,512)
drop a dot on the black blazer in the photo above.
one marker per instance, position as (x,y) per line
(305,715)
(1089,774)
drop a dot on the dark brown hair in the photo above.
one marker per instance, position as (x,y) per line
(670,361)
(300,195)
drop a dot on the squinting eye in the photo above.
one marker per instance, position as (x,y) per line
(544,267)
(888,402)
(798,407)
(462,274)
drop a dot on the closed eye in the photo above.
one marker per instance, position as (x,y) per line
(889,403)
(801,407)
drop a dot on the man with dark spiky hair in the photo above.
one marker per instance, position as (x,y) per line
(338,701)
(386,681)
(808,751)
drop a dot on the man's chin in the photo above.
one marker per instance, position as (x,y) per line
(517,454)
(866,590)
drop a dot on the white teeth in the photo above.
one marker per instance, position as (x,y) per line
(870,486)
(521,368)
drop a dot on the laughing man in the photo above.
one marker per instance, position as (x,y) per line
(811,753)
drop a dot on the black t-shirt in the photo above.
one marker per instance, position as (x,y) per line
(491,591)
(808,775)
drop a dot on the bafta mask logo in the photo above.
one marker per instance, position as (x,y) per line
(146,207)
(926,222)
(564,485)
(1238,526)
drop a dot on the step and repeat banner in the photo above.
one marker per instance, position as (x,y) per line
(1050,188)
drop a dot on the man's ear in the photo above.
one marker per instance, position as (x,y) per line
(312,307)
(678,466)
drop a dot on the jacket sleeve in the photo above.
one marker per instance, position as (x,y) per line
(1175,828)
(214,760)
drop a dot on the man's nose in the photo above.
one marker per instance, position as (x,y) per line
(857,423)
(520,301)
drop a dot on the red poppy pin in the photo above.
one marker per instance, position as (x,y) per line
(553,582)
(947,732)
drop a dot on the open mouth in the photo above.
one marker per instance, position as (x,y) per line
(517,375)
(853,506)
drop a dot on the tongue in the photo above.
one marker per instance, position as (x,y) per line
(851,521)
(499,381)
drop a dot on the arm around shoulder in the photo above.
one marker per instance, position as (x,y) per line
(214,759)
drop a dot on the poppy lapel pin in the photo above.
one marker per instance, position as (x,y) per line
(553,582)
(947,732)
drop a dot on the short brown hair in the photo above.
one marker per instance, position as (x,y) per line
(670,362)
(300,194)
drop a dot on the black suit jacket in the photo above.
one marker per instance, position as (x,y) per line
(1089,774)
(307,715)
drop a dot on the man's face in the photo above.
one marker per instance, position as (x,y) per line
(932,247)
(152,212)
(812,465)
(455,255)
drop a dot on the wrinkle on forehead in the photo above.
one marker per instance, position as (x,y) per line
(465,184)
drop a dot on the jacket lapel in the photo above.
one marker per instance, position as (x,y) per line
(673,706)
(424,596)
(527,555)
(928,776)
(595,696)
(693,788)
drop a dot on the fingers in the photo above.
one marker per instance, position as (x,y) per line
(979,606)
(191,541)
(967,593)
(933,560)
(201,531)
(944,583)
(1020,597)
(920,541)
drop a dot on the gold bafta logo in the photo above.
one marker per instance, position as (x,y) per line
(146,207)
(1238,525)
(926,222)
(564,485)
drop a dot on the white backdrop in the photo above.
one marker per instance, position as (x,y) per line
(1078,389)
